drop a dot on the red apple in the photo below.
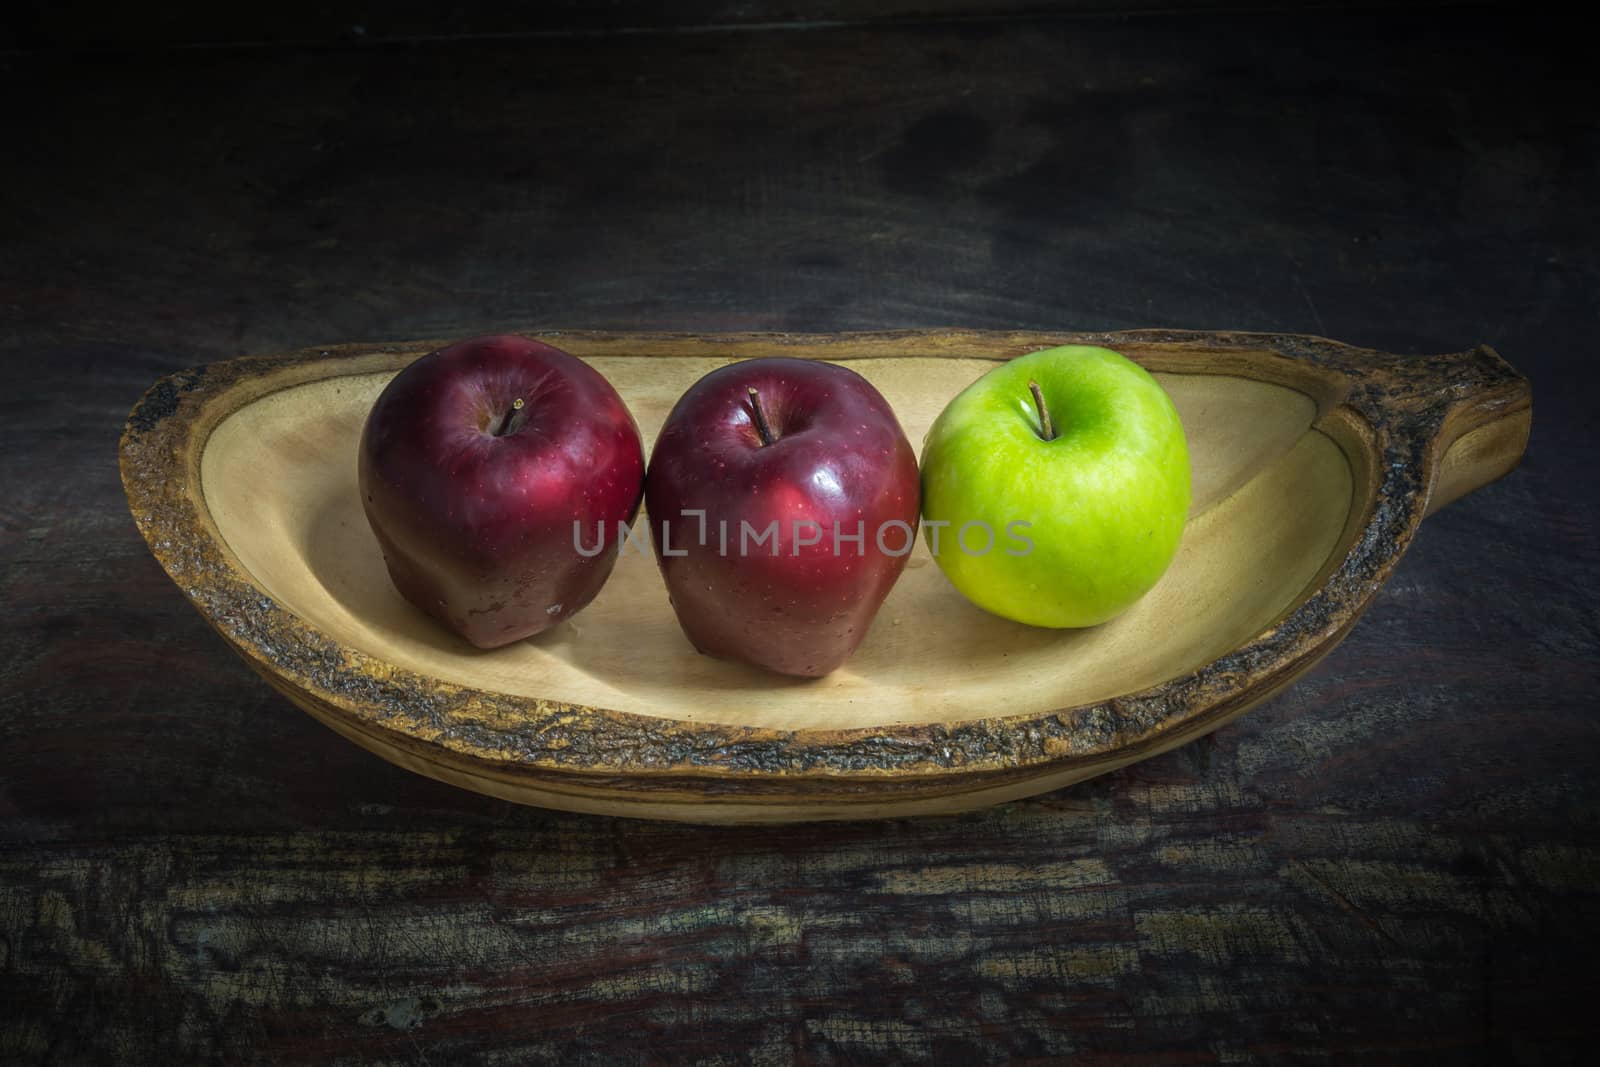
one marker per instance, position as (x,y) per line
(477,461)
(810,454)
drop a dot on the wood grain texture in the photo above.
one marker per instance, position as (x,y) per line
(82,25)
(1394,862)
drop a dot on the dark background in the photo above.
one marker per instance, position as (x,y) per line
(1397,861)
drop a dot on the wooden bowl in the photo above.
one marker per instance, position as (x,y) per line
(1313,465)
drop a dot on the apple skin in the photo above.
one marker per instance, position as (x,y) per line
(1106,499)
(838,458)
(477,529)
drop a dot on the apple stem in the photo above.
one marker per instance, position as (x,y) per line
(1047,429)
(761,418)
(513,419)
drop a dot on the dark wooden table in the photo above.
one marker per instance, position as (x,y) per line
(1397,861)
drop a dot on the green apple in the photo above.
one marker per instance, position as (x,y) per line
(1055,487)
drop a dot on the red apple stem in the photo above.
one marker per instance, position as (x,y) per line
(1047,429)
(513,419)
(761,418)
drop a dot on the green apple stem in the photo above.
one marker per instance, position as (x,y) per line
(513,419)
(761,418)
(1047,429)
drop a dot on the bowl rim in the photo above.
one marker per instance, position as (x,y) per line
(1391,416)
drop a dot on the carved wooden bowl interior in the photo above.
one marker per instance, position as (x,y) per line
(1312,465)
